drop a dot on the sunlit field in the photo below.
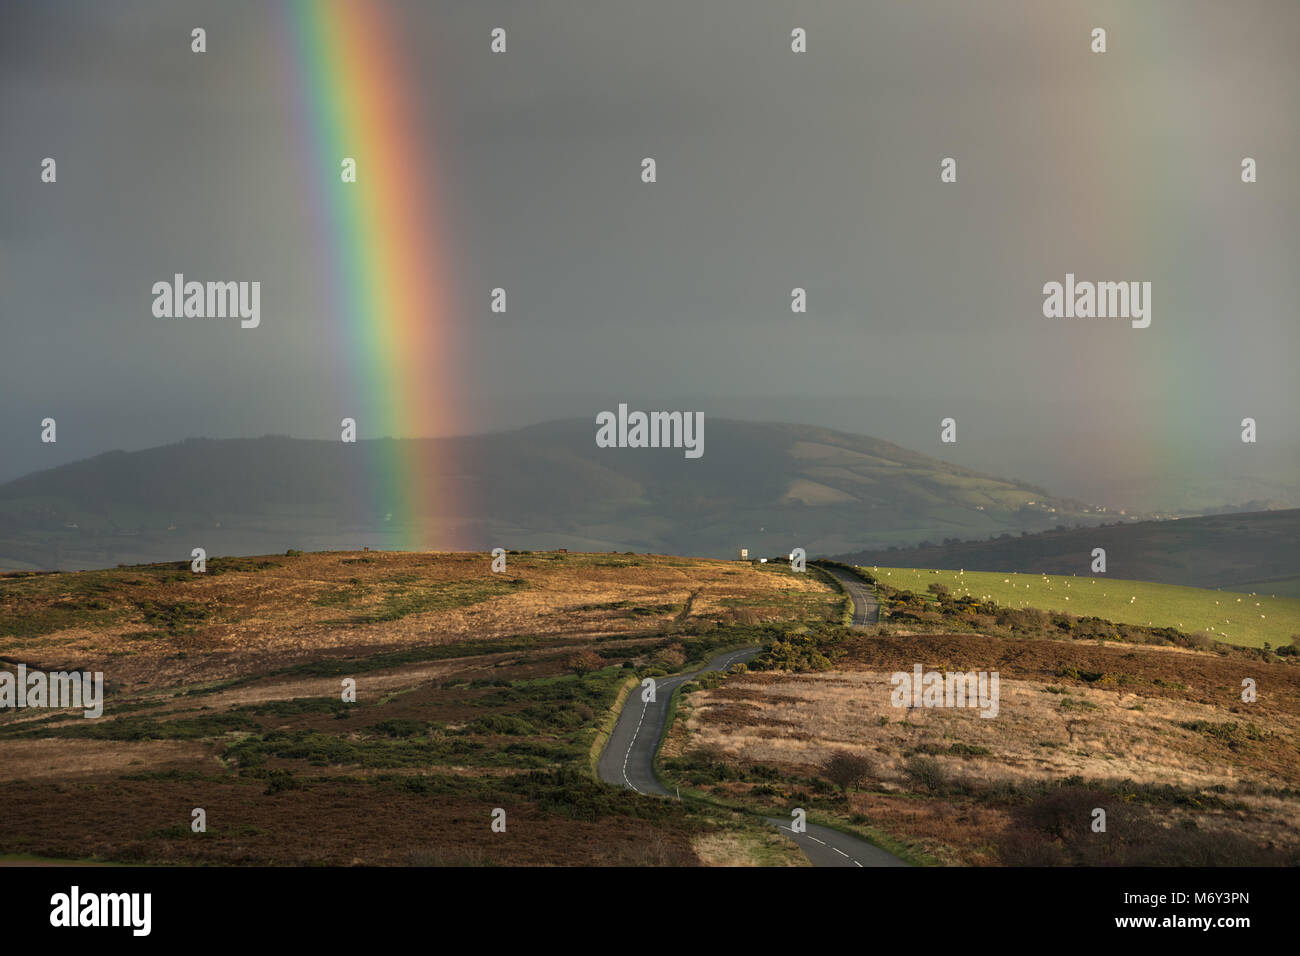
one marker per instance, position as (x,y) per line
(1247,619)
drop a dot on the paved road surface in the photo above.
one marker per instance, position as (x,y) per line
(866,609)
(826,847)
(628,760)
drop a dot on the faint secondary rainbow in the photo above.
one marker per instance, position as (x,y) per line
(381,243)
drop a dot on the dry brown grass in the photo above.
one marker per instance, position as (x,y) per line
(1048,729)
(56,759)
(747,848)
(130,800)
(797,721)
(271,618)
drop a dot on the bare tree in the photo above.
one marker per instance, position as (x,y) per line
(584,662)
(846,769)
(926,773)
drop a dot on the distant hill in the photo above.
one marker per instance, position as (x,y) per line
(767,487)
(1259,551)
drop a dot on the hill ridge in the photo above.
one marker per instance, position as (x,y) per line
(765,486)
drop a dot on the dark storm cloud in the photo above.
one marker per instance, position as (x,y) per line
(775,170)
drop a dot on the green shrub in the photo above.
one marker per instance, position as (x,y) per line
(507,725)
(399,727)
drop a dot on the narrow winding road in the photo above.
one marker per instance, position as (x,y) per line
(628,758)
(866,609)
(826,847)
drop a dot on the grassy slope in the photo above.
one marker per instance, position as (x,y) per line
(1244,619)
(1253,551)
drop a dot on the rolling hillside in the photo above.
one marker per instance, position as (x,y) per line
(767,487)
(1257,551)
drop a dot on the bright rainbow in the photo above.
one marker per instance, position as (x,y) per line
(382,249)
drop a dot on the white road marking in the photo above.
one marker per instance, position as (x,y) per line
(627,756)
(809,836)
(641,720)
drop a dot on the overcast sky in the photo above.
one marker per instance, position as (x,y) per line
(775,170)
